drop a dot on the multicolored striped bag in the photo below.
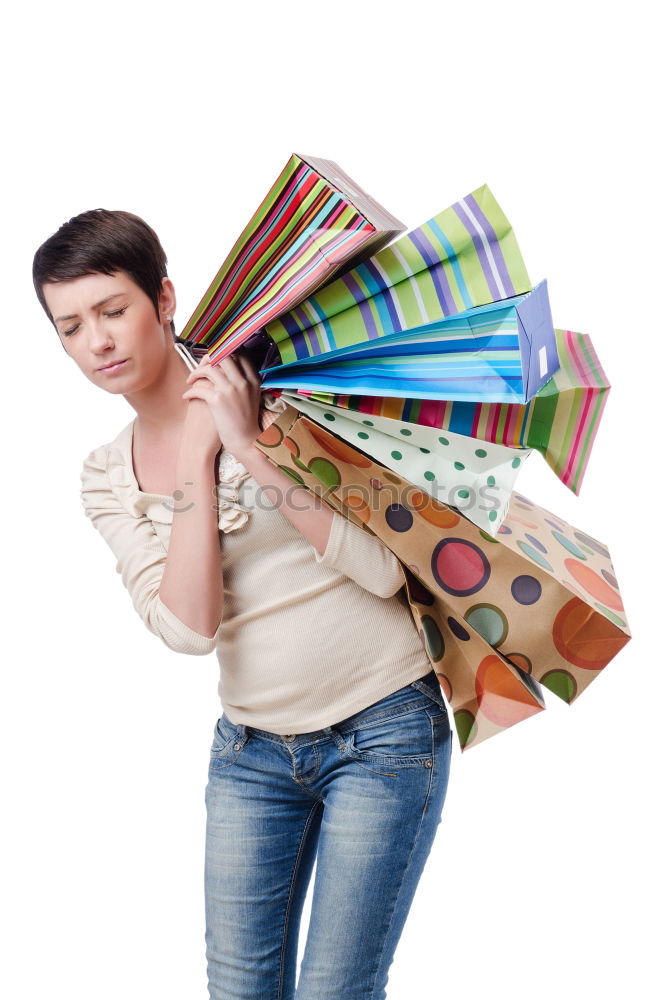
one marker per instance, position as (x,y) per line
(314,222)
(500,352)
(561,421)
(466,256)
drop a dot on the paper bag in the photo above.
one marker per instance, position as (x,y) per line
(501,352)
(466,256)
(561,421)
(541,600)
(314,222)
(475,476)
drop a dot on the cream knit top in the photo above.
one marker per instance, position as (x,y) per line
(305,640)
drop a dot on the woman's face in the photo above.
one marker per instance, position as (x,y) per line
(103,319)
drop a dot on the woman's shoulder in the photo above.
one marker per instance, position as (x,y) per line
(108,482)
(96,474)
(96,460)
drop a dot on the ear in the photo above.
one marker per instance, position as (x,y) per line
(167,300)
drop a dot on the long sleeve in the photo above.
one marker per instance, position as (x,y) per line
(362,557)
(141,558)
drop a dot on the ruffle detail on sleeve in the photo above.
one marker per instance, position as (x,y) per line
(232,474)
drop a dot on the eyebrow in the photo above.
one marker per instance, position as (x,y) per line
(96,305)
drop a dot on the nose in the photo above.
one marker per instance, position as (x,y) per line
(99,338)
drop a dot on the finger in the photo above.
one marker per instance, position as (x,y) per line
(199,392)
(233,370)
(249,367)
(207,373)
(197,377)
(249,370)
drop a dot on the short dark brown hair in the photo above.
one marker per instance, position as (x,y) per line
(102,241)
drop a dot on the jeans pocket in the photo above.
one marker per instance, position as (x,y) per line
(227,744)
(405,739)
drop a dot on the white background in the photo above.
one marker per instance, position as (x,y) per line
(543,879)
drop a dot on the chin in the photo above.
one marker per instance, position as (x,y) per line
(114,386)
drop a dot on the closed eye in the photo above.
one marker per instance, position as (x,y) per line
(118,312)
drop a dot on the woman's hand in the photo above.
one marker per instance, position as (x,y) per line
(232,392)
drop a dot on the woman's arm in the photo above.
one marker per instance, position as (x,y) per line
(232,391)
(141,557)
(339,544)
(192,583)
(310,515)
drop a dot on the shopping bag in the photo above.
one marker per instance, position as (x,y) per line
(314,222)
(500,352)
(539,600)
(561,421)
(466,256)
(475,476)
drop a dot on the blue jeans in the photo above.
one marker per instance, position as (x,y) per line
(362,797)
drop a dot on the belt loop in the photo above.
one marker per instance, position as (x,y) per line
(424,688)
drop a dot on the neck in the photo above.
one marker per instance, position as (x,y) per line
(159,405)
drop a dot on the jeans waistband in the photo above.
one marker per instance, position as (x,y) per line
(398,702)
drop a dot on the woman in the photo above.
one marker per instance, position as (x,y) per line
(334,743)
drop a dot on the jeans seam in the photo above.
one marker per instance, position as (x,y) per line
(402,880)
(388,713)
(389,759)
(421,686)
(286,927)
(433,757)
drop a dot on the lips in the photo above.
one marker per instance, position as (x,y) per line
(113,364)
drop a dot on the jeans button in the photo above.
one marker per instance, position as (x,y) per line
(288,739)
(428,763)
